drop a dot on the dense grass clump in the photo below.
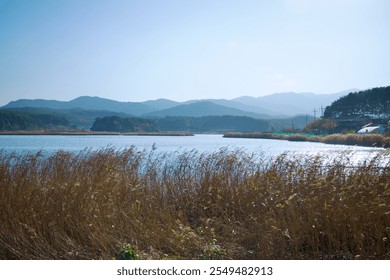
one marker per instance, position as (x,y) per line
(131,204)
(352,139)
(367,140)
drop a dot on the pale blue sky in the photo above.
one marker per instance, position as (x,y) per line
(137,50)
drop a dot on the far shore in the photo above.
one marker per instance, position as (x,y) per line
(82,133)
(365,140)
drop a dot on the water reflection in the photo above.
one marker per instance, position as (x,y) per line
(264,148)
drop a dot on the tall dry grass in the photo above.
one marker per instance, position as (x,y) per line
(365,140)
(224,205)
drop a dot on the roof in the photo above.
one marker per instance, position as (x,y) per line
(371,129)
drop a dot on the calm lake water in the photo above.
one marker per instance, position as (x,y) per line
(202,143)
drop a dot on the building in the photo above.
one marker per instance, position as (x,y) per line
(370,129)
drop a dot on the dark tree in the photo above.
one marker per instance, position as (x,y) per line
(373,103)
(129,124)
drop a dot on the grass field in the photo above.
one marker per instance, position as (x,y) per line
(130,204)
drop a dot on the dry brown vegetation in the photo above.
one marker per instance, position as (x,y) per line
(225,205)
(366,140)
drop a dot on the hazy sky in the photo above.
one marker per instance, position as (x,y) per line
(136,50)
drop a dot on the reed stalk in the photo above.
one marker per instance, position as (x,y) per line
(191,205)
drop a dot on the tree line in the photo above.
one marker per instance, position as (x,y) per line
(15,120)
(30,119)
(193,124)
(373,102)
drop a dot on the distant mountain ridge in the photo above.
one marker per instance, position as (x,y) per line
(161,104)
(269,113)
(278,105)
(86,103)
(204,108)
(291,103)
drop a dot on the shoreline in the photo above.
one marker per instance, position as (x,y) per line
(364,140)
(94,133)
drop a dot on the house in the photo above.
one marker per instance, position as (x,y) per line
(370,129)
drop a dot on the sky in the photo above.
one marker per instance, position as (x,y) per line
(137,50)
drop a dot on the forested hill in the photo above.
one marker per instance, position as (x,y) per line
(13,121)
(219,124)
(193,124)
(374,103)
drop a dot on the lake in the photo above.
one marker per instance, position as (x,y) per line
(201,142)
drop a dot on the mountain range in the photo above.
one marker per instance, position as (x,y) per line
(278,105)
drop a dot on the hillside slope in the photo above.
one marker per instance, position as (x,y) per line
(279,105)
(204,108)
(291,103)
(373,103)
(86,103)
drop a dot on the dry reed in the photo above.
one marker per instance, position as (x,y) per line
(223,205)
(366,140)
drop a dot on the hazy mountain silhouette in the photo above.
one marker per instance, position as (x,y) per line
(98,103)
(278,111)
(36,103)
(278,105)
(161,104)
(204,108)
(240,106)
(291,103)
(86,103)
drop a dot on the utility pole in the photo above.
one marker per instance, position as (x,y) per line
(292,123)
(322,111)
(314,111)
